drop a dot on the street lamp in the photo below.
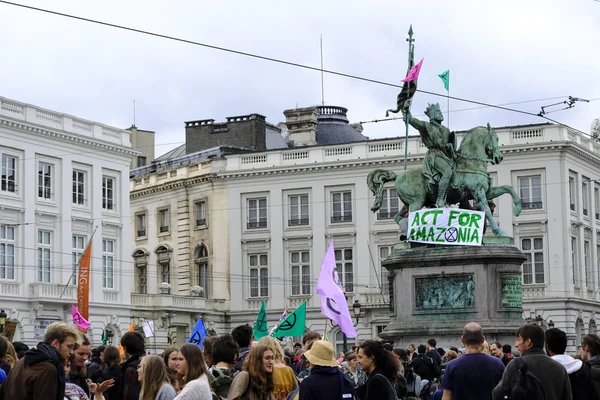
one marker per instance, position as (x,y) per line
(539,320)
(356,309)
(551,324)
(2,320)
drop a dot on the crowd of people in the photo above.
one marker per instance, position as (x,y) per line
(234,366)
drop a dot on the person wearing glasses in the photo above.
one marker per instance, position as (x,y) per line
(590,353)
(255,381)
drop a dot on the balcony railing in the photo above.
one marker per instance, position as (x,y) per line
(386,215)
(164,229)
(298,221)
(45,291)
(533,205)
(256,225)
(341,218)
(141,233)
(201,221)
(175,302)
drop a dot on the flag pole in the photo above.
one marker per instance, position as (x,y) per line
(411,63)
(448,106)
(79,262)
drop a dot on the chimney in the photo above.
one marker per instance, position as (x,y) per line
(302,126)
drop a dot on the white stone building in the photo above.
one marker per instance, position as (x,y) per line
(62,177)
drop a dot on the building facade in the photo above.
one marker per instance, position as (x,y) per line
(63,178)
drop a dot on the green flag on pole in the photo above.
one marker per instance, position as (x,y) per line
(104,338)
(261,328)
(445,77)
(294,324)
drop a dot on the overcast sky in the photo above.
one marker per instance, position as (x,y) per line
(497,51)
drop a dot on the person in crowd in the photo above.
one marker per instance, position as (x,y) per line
(432,352)
(243,336)
(297,346)
(11,355)
(590,353)
(307,340)
(169,357)
(4,364)
(133,346)
(95,367)
(496,351)
(284,379)
(449,356)
(475,374)
(192,367)
(485,348)
(357,377)
(552,375)
(411,351)
(78,373)
(255,381)
(40,374)
(403,226)
(73,391)
(382,369)
(326,380)
(21,348)
(111,371)
(507,349)
(207,348)
(580,377)
(424,366)
(154,379)
(224,352)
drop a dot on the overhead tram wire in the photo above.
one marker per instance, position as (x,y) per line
(271,59)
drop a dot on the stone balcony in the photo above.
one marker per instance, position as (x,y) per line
(10,289)
(40,291)
(67,123)
(169,302)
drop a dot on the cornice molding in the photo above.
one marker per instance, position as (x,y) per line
(67,137)
(162,187)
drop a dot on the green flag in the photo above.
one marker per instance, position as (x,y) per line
(104,338)
(445,77)
(261,328)
(294,324)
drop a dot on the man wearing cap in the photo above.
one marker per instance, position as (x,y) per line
(326,381)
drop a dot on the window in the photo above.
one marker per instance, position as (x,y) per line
(9,174)
(7,252)
(389,204)
(345,269)
(201,278)
(141,161)
(597,202)
(257,213)
(108,193)
(342,207)
(530,188)
(44,180)
(200,213)
(140,225)
(298,210)
(585,197)
(533,267)
(108,262)
(44,246)
(163,220)
(78,187)
(300,263)
(574,258)
(78,246)
(165,272)
(586,265)
(259,275)
(384,252)
(572,195)
(141,264)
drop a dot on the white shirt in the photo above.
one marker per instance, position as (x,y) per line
(198,389)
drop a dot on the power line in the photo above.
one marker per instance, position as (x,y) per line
(271,59)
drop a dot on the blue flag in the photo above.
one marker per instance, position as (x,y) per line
(198,334)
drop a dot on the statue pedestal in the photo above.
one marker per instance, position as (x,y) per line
(438,289)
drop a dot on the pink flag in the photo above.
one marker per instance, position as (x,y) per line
(78,319)
(413,74)
(333,301)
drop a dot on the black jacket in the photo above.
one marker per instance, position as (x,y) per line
(582,384)
(378,387)
(425,367)
(94,369)
(325,383)
(107,374)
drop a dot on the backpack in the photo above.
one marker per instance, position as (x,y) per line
(413,381)
(220,382)
(525,385)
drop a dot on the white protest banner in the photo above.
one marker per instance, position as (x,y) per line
(148,326)
(452,226)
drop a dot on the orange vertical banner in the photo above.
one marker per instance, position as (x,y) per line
(131,329)
(83,282)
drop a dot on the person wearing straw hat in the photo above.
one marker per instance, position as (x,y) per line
(326,381)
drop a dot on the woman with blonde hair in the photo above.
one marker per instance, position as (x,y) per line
(255,381)
(485,348)
(153,376)
(284,379)
(192,367)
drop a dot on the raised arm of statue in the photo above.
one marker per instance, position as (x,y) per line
(415,123)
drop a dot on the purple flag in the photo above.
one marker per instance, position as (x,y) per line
(413,73)
(78,319)
(333,301)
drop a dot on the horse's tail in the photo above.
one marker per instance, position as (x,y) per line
(376,180)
